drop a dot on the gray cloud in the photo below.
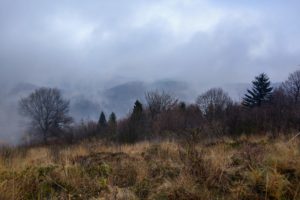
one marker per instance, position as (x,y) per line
(43,42)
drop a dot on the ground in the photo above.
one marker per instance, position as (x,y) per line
(247,167)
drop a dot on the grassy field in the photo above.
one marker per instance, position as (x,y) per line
(242,168)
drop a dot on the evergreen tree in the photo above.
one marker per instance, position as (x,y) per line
(112,119)
(182,106)
(137,111)
(112,124)
(136,124)
(260,93)
(102,120)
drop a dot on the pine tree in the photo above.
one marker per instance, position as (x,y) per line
(102,120)
(136,124)
(112,119)
(112,124)
(137,111)
(260,93)
(182,106)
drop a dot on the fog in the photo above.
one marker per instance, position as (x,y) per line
(105,54)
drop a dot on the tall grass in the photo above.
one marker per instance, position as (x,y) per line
(242,168)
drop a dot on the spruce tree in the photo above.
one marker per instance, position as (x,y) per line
(112,119)
(260,93)
(136,123)
(102,120)
(112,124)
(137,111)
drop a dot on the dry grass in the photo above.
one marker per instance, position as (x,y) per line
(243,168)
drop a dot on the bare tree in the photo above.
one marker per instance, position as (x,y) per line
(159,102)
(213,99)
(292,86)
(214,103)
(47,110)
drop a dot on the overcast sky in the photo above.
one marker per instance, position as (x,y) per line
(58,41)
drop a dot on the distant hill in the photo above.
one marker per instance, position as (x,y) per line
(120,98)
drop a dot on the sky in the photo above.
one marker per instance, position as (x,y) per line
(201,41)
(99,44)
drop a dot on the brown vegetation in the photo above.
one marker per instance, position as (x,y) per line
(247,167)
(213,149)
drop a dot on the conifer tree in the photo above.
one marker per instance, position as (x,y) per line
(112,125)
(260,93)
(102,120)
(136,123)
(137,111)
(112,119)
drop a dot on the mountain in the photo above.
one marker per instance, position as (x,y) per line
(121,98)
(83,108)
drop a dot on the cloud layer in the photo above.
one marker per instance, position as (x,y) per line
(200,40)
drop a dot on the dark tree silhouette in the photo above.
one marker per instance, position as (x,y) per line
(260,93)
(47,110)
(137,111)
(135,124)
(102,120)
(112,124)
(182,106)
(112,118)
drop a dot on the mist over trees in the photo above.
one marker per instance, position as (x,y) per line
(47,110)
(263,110)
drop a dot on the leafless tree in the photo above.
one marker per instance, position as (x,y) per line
(214,103)
(215,99)
(159,102)
(292,86)
(47,110)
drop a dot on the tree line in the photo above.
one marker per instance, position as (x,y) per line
(263,109)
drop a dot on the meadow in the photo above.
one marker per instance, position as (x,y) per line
(245,167)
